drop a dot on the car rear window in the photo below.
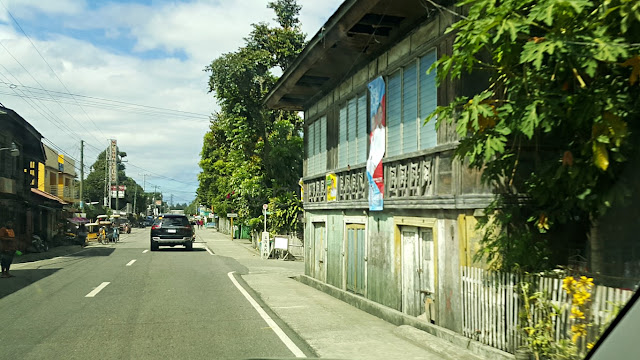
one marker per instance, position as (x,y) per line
(175,221)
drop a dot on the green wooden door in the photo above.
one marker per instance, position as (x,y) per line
(355,251)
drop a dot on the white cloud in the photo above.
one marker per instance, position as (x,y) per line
(168,146)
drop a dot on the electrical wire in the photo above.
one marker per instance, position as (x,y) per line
(96,102)
(45,61)
(37,82)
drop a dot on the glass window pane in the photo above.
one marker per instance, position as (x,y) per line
(394,113)
(428,101)
(409,109)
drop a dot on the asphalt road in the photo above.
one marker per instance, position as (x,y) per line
(170,303)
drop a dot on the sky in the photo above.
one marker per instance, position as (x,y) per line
(127,70)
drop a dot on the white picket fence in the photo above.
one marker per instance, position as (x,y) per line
(491,305)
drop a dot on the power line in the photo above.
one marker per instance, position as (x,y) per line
(92,101)
(161,176)
(51,117)
(37,82)
(45,61)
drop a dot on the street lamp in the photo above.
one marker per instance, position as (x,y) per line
(15,152)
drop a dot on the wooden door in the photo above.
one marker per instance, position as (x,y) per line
(319,243)
(411,296)
(355,250)
(427,273)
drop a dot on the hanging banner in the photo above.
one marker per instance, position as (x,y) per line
(332,187)
(113,166)
(378,144)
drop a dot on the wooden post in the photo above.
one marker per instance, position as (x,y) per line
(232,230)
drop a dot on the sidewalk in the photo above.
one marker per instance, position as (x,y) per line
(53,252)
(333,328)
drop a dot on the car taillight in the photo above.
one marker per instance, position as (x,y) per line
(189,227)
(154,227)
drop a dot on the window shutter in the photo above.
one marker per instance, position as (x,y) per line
(428,101)
(322,151)
(310,148)
(362,140)
(342,137)
(394,114)
(351,131)
(409,109)
(316,146)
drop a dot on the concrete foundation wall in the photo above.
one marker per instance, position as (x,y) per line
(384,255)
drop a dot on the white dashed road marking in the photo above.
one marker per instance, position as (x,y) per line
(95,291)
(145,251)
(131,262)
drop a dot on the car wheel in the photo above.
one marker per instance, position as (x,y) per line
(189,246)
(154,246)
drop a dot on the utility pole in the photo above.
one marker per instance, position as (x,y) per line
(144,191)
(155,189)
(117,187)
(81,174)
(107,179)
(171,201)
(134,201)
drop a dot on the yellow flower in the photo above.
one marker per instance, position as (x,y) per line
(576,313)
(590,345)
(543,222)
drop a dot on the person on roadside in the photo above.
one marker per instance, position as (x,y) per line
(82,235)
(7,248)
(103,235)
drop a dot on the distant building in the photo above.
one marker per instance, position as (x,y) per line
(31,209)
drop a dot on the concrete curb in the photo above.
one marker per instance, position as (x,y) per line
(397,318)
(443,348)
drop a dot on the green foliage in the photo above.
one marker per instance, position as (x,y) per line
(285,210)
(556,123)
(252,154)
(537,318)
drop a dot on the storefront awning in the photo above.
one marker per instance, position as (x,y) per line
(48,196)
(78,220)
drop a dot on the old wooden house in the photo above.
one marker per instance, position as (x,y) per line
(407,253)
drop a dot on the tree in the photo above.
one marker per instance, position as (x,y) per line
(557,122)
(252,155)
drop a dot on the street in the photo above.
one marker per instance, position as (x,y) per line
(219,301)
(123,301)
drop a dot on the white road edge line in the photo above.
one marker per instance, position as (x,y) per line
(272,324)
(145,251)
(131,262)
(95,291)
(209,251)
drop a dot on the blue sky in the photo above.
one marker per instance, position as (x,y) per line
(145,52)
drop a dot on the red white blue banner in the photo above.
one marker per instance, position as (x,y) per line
(377,140)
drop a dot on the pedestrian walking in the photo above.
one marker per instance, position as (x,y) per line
(7,248)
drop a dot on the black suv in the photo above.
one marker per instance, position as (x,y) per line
(172,230)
